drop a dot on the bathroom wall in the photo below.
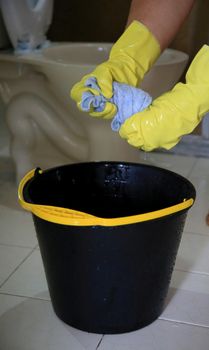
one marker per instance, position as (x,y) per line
(94,20)
(4,132)
(195,31)
(104,20)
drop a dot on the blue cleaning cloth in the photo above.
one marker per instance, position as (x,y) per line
(128,100)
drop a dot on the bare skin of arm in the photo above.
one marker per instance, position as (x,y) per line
(163,17)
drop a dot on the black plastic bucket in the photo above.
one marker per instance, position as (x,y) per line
(111,276)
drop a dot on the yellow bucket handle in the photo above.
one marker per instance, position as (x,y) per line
(66,216)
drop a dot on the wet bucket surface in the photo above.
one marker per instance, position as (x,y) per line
(109,279)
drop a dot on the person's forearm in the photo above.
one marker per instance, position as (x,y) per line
(163,17)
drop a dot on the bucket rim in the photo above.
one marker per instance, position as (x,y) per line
(71,217)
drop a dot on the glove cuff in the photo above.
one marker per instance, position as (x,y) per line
(197,80)
(139,48)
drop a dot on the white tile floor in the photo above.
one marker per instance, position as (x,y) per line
(27,321)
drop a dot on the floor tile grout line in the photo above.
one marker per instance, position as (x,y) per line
(100,341)
(17,267)
(23,296)
(161,318)
(196,233)
(182,322)
(192,168)
(192,272)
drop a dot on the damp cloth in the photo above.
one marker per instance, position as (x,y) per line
(128,100)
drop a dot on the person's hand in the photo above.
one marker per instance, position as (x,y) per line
(173,114)
(130,58)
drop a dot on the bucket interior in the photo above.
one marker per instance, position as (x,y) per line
(108,189)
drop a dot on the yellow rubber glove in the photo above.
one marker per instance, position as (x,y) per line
(130,58)
(175,113)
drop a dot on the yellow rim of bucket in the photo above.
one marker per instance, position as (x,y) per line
(66,216)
